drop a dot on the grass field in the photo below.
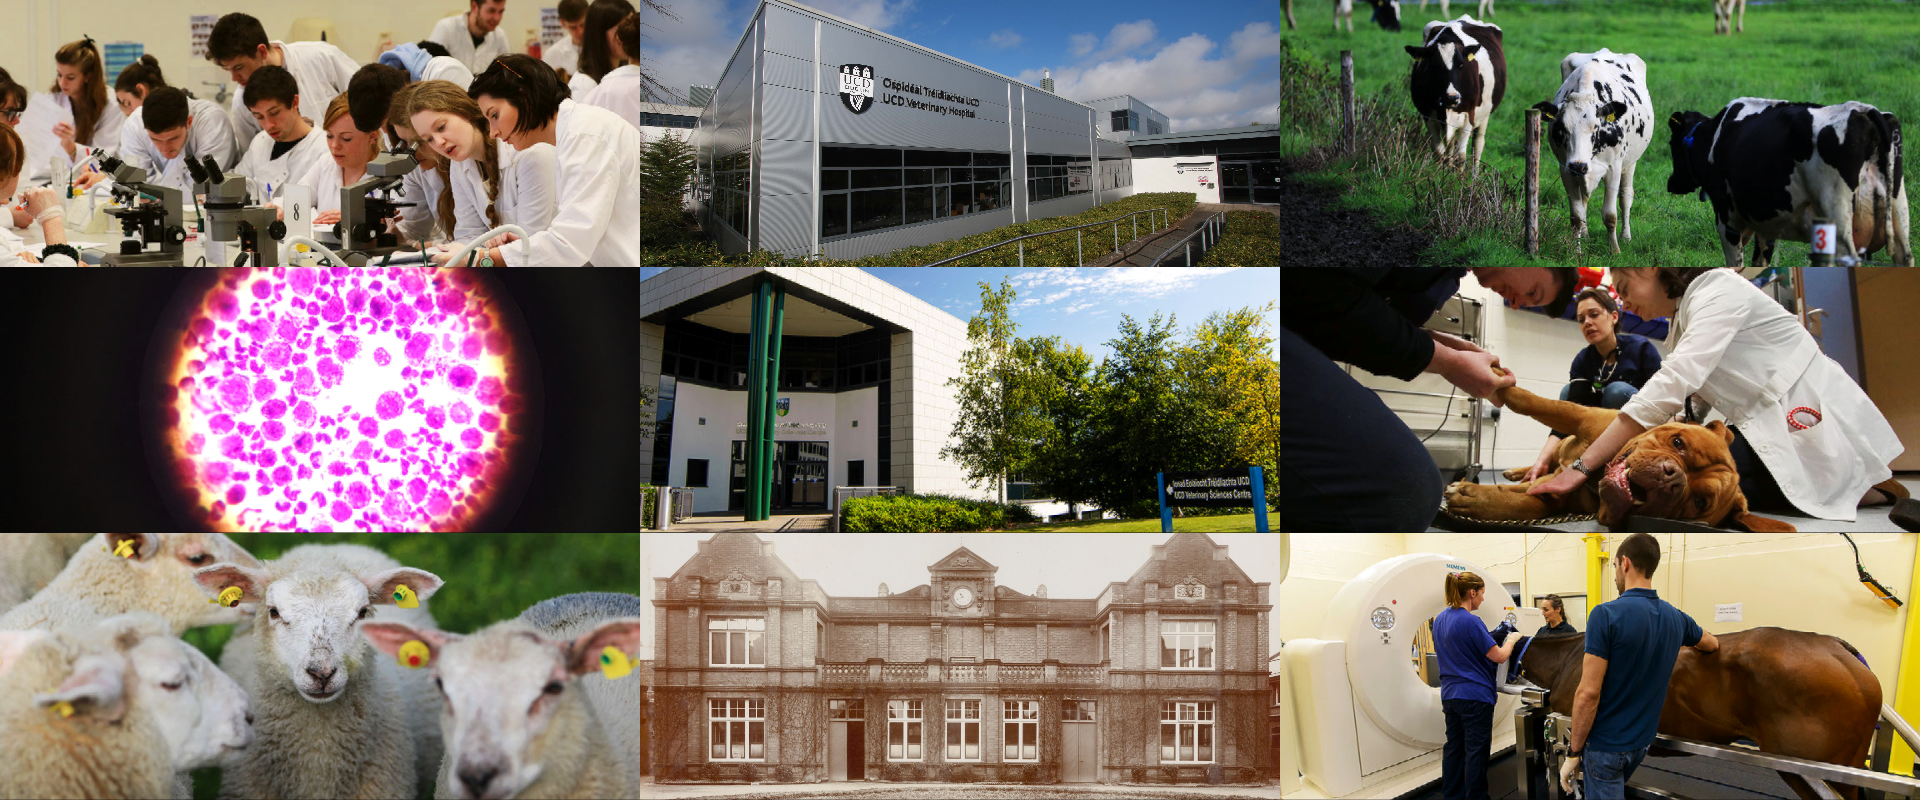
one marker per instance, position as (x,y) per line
(1822,52)
(1236,523)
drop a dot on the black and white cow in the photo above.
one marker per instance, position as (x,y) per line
(1459,77)
(1599,124)
(1386,13)
(1723,11)
(1770,167)
(1342,8)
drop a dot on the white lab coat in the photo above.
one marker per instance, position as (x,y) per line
(106,130)
(261,170)
(619,92)
(562,54)
(452,34)
(321,71)
(443,68)
(324,176)
(421,222)
(13,249)
(210,136)
(581,86)
(596,219)
(1741,352)
(526,197)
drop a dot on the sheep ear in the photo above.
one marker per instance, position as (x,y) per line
(14,645)
(252,583)
(127,631)
(385,586)
(96,687)
(390,637)
(135,546)
(583,654)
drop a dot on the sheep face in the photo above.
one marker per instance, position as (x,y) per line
(202,712)
(308,620)
(159,560)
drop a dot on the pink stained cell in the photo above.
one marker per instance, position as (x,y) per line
(471,346)
(196,444)
(220,423)
(303,413)
(412,391)
(232,445)
(302,281)
(436,418)
(329,373)
(394,507)
(417,490)
(304,442)
(362,450)
(334,310)
(497,342)
(471,438)
(288,329)
(340,511)
(263,388)
(451,301)
(235,494)
(395,439)
(262,289)
(378,307)
(201,327)
(404,315)
(273,430)
(304,383)
(459,413)
(418,346)
(281,474)
(265,459)
(439,504)
(469,464)
(380,356)
(216,473)
(462,377)
(357,300)
(224,305)
(412,282)
(276,354)
(339,468)
(423,304)
(369,427)
(357,495)
(274,409)
(488,422)
(389,405)
(234,394)
(347,348)
(488,390)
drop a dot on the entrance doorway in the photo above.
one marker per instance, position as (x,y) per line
(799,475)
(1079,734)
(846,740)
(1250,182)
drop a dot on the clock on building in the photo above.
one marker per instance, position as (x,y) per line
(963,597)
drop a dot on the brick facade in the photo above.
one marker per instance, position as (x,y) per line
(748,656)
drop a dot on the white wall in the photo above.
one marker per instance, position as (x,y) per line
(35,28)
(726,410)
(1168,175)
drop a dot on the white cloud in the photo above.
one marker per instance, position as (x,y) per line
(1087,287)
(1004,39)
(876,14)
(1081,306)
(1081,44)
(1195,81)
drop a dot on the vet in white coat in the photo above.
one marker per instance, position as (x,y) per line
(319,69)
(1740,351)
(526,197)
(452,34)
(210,135)
(619,92)
(262,170)
(597,219)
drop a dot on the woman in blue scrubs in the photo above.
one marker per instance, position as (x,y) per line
(1467,655)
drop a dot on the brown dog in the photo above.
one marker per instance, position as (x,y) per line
(1678,471)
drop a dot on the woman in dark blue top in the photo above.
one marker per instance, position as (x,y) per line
(1467,655)
(1611,368)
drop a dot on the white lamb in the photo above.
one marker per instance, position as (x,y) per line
(332,717)
(517,720)
(142,708)
(155,575)
(29,561)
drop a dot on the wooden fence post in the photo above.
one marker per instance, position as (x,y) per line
(1532,239)
(1346,98)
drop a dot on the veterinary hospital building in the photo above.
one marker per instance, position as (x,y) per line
(758,673)
(831,138)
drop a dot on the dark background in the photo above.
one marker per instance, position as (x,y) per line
(74,355)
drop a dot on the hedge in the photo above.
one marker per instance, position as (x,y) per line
(922,513)
(1251,239)
(1050,251)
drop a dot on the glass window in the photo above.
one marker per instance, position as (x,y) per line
(942,206)
(697,472)
(986,196)
(962,175)
(833,214)
(1119,120)
(936,158)
(876,209)
(858,157)
(941,175)
(992,159)
(735,641)
(963,730)
(919,177)
(736,730)
(1021,739)
(1186,644)
(903,730)
(1186,732)
(919,201)
(833,179)
(875,178)
(855,709)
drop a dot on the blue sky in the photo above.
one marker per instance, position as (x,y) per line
(1083,305)
(1205,64)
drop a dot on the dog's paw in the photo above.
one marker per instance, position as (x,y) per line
(1515,474)
(1479,501)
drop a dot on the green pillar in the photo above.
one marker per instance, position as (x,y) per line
(757,476)
(768,408)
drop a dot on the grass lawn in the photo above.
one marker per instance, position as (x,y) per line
(1238,523)
(1822,52)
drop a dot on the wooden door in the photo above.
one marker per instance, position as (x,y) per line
(837,751)
(1890,363)
(1079,736)
(856,747)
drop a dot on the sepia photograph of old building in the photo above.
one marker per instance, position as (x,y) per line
(1152,671)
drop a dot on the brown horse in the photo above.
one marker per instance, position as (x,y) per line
(1793,693)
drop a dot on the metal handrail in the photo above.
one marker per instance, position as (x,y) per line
(1209,233)
(1115,222)
(1815,773)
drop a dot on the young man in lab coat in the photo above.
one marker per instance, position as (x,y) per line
(564,53)
(288,144)
(239,45)
(474,37)
(174,124)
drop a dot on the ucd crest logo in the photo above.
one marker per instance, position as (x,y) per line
(780,406)
(856,87)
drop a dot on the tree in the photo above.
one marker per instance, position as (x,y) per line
(1059,466)
(1144,416)
(666,173)
(997,422)
(1228,363)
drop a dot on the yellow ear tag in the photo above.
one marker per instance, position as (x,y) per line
(64,709)
(414,654)
(614,664)
(1469,56)
(405,598)
(229,597)
(1612,117)
(124,549)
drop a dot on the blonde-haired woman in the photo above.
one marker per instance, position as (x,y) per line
(80,88)
(351,149)
(489,183)
(1467,655)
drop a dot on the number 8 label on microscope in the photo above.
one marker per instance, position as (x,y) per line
(298,204)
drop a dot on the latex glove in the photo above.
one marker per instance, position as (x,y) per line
(39,200)
(21,218)
(1473,372)
(1569,774)
(1566,481)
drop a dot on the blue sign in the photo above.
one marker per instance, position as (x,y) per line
(1218,488)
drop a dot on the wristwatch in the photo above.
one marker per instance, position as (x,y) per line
(1580,465)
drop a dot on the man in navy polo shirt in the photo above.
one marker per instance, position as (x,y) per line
(1632,643)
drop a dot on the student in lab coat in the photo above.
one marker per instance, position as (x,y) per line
(490,183)
(426,60)
(564,53)
(239,45)
(351,149)
(289,145)
(43,206)
(619,90)
(13,102)
(1806,437)
(80,88)
(173,124)
(596,218)
(430,219)
(129,91)
(474,37)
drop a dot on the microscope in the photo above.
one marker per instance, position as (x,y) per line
(149,215)
(367,204)
(256,229)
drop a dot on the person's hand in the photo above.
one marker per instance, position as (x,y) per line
(1540,468)
(39,200)
(1566,481)
(501,240)
(326,218)
(1569,769)
(1472,371)
(440,259)
(21,218)
(89,179)
(64,133)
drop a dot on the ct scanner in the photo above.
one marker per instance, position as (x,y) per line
(1368,726)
